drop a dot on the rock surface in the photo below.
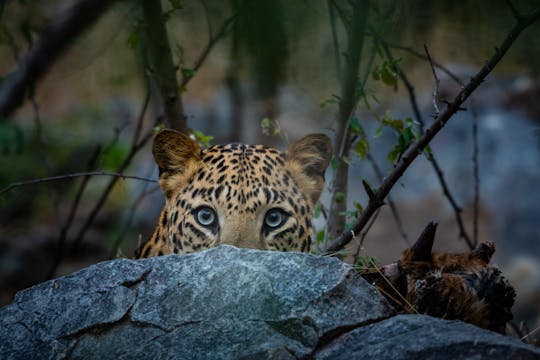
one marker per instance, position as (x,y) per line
(229,303)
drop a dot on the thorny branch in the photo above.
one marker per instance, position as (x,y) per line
(438,171)
(417,148)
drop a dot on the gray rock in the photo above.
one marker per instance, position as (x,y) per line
(424,337)
(224,303)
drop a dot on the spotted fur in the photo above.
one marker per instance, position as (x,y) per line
(247,188)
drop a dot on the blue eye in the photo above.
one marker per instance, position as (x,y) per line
(274,218)
(205,216)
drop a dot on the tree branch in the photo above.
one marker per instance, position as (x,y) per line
(347,104)
(56,39)
(71,177)
(163,68)
(418,116)
(225,28)
(417,147)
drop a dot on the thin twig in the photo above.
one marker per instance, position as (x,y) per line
(70,177)
(418,147)
(391,202)
(515,12)
(208,22)
(51,45)
(434,163)
(530,333)
(437,81)
(337,55)
(225,28)
(363,236)
(71,215)
(424,57)
(476,176)
(135,147)
(131,215)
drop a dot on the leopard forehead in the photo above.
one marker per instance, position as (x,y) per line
(243,165)
(244,179)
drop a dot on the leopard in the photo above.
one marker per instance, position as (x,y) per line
(247,196)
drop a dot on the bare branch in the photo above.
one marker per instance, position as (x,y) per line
(424,57)
(127,226)
(135,147)
(74,206)
(437,81)
(418,146)
(419,119)
(223,30)
(56,39)
(391,203)
(475,175)
(332,16)
(71,177)
(515,12)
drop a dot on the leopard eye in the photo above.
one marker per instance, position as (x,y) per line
(205,216)
(274,218)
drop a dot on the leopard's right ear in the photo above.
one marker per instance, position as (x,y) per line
(173,151)
(176,155)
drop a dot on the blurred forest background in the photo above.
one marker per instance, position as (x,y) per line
(270,72)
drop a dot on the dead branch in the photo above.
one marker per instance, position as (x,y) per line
(418,147)
(56,39)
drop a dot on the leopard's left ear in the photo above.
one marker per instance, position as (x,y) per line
(307,159)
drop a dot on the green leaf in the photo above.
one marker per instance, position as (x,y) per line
(335,164)
(388,77)
(366,262)
(378,132)
(361,148)
(320,236)
(392,155)
(202,139)
(134,39)
(395,124)
(317,211)
(358,207)
(349,214)
(355,126)
(339,197)
(327,102)
(188,73)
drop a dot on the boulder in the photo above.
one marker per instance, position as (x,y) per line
(229,303)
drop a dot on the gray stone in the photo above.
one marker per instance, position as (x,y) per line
(224,303)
